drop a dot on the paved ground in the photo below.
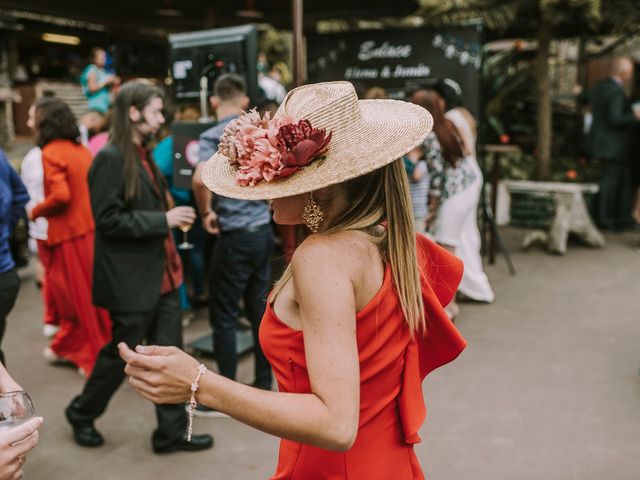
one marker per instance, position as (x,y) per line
(547,389)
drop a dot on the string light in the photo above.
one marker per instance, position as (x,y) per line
(467,54)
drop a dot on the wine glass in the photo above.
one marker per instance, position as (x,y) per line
(185,245)
(15,409)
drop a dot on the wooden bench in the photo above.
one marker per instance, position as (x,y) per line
(571,215)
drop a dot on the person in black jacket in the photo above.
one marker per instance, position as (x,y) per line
(609,142)
(137,269)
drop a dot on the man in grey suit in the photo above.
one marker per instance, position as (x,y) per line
(609,143)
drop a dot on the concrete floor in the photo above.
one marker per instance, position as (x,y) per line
(547,389)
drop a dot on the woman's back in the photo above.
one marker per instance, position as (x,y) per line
(391,402)
(357,255)
(67,205)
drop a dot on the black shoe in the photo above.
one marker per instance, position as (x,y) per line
(84,433)
(197,443)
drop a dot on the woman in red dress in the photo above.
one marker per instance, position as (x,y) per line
(84,329)
(357,320)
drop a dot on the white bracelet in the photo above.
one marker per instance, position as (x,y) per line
(192,403)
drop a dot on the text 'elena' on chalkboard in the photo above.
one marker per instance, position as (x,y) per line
(388,71)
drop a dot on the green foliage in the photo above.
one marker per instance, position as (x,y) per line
(568,17)
(508,88)
(510,109)
(275,44)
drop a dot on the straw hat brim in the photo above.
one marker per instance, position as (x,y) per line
(387,130)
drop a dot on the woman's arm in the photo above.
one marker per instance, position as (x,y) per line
(435,165)
(32,177)
(328,416)
(58,193)
(420,171)
(7,383)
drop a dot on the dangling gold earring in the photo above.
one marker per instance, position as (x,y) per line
(312,215)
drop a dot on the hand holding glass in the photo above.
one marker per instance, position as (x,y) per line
(185,245)
(15,409)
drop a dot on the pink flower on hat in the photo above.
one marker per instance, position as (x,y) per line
(228,145)
(263,149)
(264,163)
(245,140)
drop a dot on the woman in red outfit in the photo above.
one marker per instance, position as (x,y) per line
(84,329)
(357,320)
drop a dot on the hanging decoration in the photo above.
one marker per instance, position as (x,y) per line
(456,47)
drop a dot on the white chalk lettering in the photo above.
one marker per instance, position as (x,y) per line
(412,71)
(368,50)
(356,72)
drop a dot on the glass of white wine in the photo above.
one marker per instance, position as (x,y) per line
(15,409)
(185,245)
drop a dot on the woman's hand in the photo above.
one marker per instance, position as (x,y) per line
(178,216)
(15,443)
(160,374)
(7,383)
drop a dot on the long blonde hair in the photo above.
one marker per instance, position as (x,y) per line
(369,205)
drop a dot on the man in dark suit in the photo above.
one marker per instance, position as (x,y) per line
(137,270)
(609,142)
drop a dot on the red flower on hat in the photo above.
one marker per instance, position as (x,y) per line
(300,144)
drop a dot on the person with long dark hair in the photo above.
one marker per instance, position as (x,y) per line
(84,329)
(454,194)
(137,270)
(357,319)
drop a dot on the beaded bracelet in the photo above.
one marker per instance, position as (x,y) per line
(192,403)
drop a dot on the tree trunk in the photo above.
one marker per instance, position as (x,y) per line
(544,119)
(581,80)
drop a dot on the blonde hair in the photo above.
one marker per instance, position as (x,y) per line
(375,93)
(368,207)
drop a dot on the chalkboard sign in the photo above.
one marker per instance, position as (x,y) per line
(400,61)
(186,150)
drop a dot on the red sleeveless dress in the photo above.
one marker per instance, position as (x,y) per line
(392,367)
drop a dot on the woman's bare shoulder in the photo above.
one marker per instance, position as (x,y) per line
(340,247)
(347,253)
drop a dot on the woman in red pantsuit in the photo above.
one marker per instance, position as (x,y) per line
(84,329)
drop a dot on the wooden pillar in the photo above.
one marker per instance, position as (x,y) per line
(545,113)
(209,16)
(293,235)
(297,26)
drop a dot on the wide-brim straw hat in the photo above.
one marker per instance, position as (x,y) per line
(366,135)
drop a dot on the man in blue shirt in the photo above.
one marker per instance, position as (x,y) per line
(240,268)
(13,198)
